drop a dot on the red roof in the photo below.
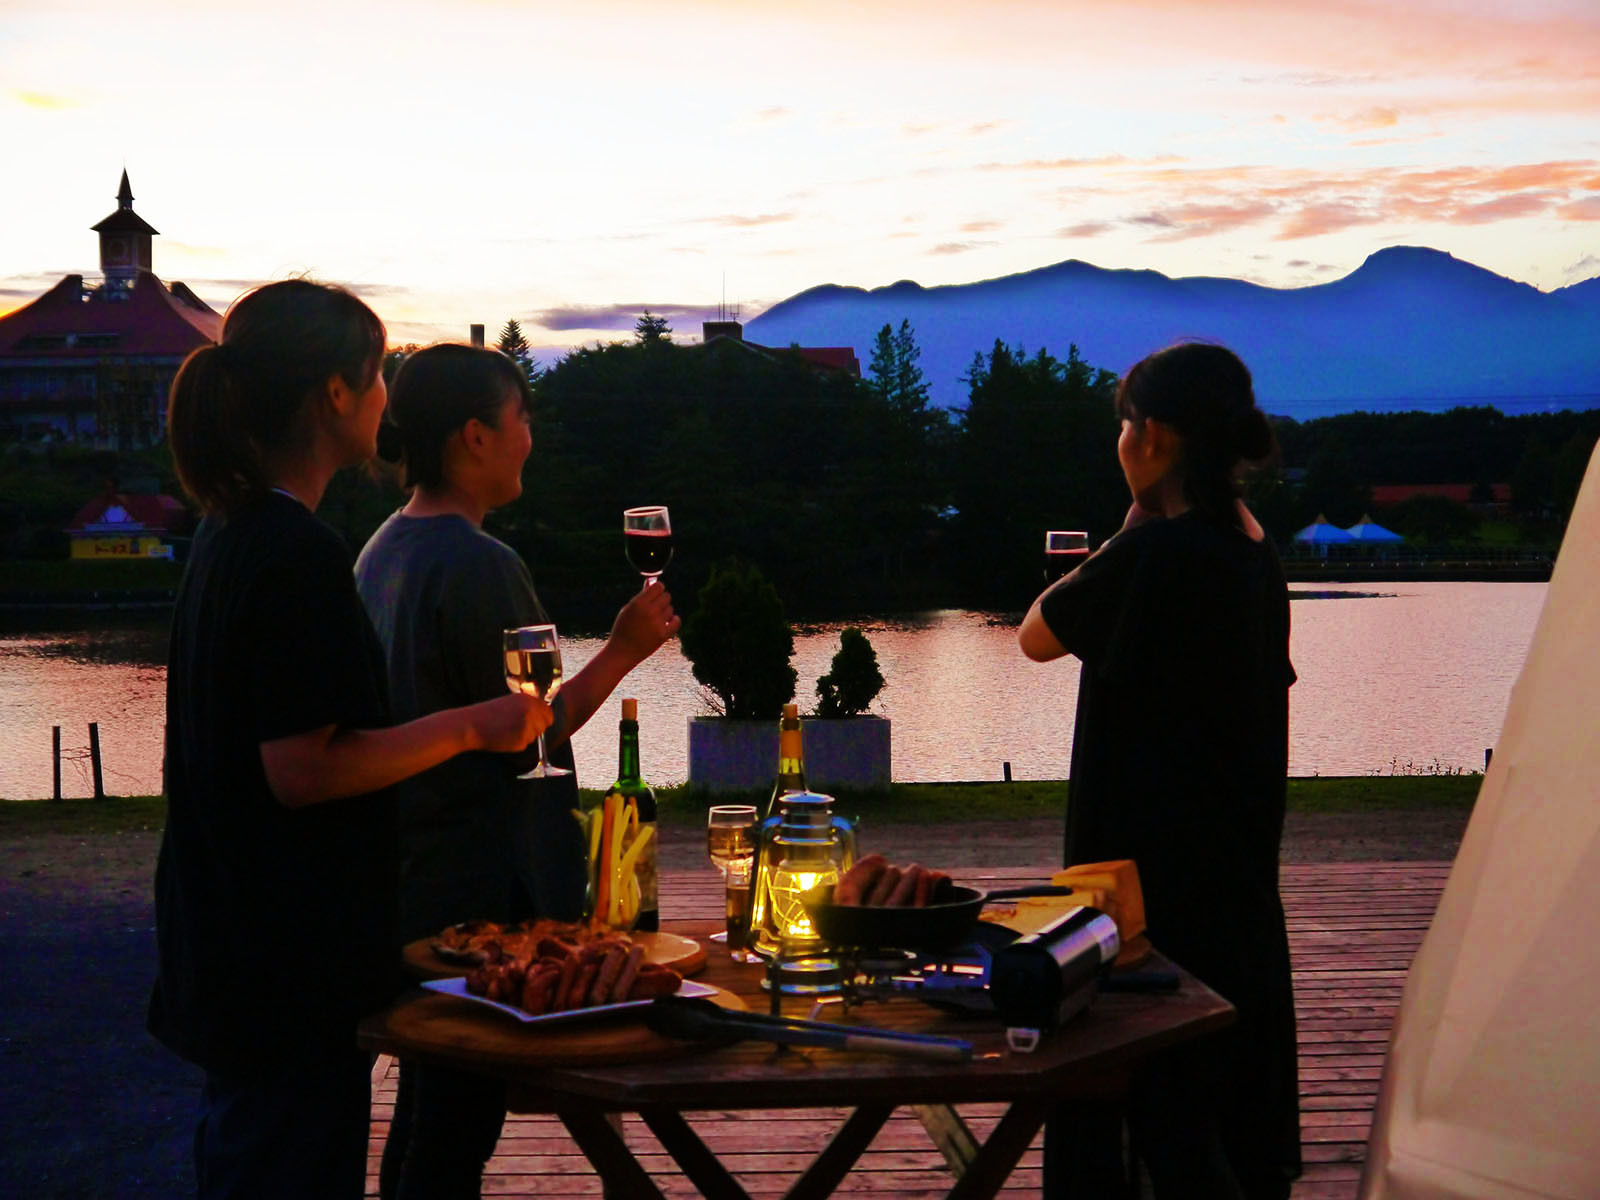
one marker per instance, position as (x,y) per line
(1393,493)
(840,358)
(117,512)
(152,319)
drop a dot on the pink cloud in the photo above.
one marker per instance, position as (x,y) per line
(1315,219)
(1504,208)
(1376,117)
(1585,209)
(1311,202)
(1184,221)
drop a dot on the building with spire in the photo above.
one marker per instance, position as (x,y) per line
(92,363)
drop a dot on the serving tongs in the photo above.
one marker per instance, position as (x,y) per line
(695,1020)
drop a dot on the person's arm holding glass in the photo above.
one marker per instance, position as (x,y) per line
(479,841)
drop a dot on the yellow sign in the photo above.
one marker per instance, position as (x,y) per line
(119,547)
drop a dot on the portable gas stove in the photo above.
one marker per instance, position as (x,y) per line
(1032,982)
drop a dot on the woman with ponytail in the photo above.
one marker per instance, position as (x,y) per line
(1179,762)
(275,884)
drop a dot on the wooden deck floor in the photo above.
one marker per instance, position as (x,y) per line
(1353,930)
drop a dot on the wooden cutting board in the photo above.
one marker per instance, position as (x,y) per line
(684,955)
(465,1032)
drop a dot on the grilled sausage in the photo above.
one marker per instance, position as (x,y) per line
(582,982)
(654,980)
(629,972)
(858,881)
(884,888)
(924,888)
(569,973)
(906,889)
(538,988)
(605,980)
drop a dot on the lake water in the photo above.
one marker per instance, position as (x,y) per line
(1414,679)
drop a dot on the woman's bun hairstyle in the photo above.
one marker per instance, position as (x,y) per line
(1204,392)
(1253,436)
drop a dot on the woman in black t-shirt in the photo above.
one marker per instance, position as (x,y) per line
(1179,762)
(275,880)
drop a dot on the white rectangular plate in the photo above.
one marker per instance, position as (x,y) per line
(457,986)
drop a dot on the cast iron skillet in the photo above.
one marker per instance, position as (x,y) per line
(948,921)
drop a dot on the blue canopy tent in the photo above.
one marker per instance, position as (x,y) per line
(1368,530)
(1323,531)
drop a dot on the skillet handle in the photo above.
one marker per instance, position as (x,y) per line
(1038,889)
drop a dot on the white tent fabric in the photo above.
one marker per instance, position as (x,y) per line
(1368,530)
(1492,1087)
(1322,530)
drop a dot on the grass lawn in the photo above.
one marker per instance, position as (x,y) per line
(911,803)
(77,575)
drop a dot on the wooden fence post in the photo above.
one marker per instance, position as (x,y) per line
(55,757)
(94,760)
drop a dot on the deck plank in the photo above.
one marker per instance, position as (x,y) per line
(1353,931)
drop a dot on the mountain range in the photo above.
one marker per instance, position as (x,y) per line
(1411,328)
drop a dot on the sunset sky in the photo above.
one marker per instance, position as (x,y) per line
(571,164)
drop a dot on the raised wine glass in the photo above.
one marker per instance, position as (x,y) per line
(730,830)
(533,667)
(647,537)
(1064,549)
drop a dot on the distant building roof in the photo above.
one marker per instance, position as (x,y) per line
(829,358)
(1384,494)
(118,512)
(840,358)
(150,318)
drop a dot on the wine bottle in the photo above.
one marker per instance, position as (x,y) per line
(633,792)
(791,760)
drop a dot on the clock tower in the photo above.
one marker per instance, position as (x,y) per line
(124,244)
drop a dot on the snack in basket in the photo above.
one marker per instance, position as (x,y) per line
(874,882)
(562,975)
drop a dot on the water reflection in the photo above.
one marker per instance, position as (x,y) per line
(1419,674)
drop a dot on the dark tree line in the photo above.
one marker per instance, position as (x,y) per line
(1329,466)
(856,495)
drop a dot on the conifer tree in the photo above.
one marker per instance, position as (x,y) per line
(896,377)
(649,329)
(515,345)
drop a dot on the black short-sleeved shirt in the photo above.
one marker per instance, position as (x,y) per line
(475,840)
(1179,762)
(275,926)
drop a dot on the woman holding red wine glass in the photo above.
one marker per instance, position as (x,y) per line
(457,615)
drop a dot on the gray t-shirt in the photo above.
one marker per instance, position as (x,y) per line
(475,841)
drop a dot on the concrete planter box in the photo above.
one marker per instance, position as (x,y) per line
(729,755)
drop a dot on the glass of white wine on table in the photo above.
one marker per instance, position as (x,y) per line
(730,840)
(533,667)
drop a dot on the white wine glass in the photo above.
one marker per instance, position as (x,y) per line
(647,538)
(533,667)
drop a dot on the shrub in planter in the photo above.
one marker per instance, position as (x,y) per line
(853,681)
(739,643)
